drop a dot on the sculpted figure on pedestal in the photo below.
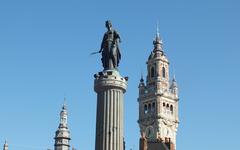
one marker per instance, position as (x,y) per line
(110,48)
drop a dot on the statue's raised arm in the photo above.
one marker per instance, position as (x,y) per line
(110,48)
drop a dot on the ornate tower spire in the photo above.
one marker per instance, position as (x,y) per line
(5,146)
(158,66)
(158,102)
(62,136)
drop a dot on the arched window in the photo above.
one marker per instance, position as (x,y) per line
(168,106)
(168,112)
(149,107)
(171,107)
(163,104)
(153,106)
(145,109)
(152,72)
(163,72)
(149,73)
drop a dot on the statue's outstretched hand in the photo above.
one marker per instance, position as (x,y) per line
(100,51)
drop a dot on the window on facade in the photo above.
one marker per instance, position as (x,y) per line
(168,112)
(163,104)
(168,106)
(153,106)
(171,107)
(149,107)
(152,72)
(163,72)
(145,109)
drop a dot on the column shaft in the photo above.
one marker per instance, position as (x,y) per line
(109,125)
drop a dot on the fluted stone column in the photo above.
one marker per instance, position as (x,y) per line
(110,87)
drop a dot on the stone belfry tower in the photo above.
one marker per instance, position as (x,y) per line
(110,87)
(62,136)
(158,103)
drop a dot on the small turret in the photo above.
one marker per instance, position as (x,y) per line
(174,87)
(141,86)
(5,146)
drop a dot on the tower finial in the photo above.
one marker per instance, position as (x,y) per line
(64,103)
(158,36)
(65,100)
(157,42)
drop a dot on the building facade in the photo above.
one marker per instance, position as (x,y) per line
(158,103)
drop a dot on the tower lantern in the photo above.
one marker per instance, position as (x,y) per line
(63,116)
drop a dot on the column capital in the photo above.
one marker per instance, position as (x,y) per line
(109,80)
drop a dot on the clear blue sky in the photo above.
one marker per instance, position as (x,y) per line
(44,56)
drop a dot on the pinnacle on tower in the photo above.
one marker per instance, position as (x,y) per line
(174,80)
(174,83)
(5,146)
(174,87)
(141,85)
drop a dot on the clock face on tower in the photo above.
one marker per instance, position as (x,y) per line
(149,132)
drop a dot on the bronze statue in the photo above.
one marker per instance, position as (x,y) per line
(110,48)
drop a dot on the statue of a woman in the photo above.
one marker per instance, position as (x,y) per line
(109,48)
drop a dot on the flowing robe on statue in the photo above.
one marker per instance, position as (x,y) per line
(110,50)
